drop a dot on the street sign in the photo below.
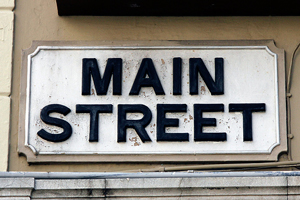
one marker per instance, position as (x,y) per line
(153,101)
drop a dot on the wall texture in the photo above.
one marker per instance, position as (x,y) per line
(38,20)
(147,186)
(6,42)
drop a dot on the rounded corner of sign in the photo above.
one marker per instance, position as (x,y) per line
(32,149)
(35,52)
(27,150)
(32,49)
(277,149)
(273,49)
(273,146)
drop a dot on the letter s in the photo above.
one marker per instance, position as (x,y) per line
(67,132)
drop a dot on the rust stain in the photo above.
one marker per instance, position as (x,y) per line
(185,119)
(202,89)
(191,117)
(134,139)
(93,92)
(162,61)
(237,138)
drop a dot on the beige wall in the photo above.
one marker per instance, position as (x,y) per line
(38,20)
(6,38)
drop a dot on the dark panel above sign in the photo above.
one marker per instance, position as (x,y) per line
(178,7)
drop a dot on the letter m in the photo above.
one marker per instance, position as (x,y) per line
(90,70)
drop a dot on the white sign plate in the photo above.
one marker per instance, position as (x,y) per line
(249,97)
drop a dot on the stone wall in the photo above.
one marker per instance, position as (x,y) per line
(244,185)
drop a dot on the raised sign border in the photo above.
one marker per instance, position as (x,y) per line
(32,156)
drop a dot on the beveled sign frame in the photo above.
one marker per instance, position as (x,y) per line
(25,148)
